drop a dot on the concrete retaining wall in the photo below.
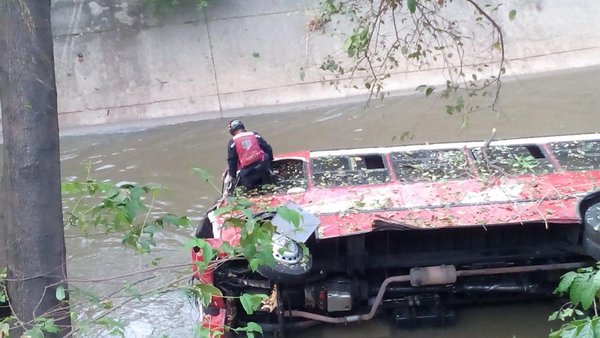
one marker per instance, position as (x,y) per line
(117,62)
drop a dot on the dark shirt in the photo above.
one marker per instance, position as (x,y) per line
(232,156)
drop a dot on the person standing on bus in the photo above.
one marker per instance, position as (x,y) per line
(249,157)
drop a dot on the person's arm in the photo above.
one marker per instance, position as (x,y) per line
(232,159)
(265,147)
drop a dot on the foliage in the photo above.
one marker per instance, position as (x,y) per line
(388,35)
(93,206)
(41,325)
(582,287)
(118,211)
(250,329)
(115,328)
(525,164)
(251,302)
(252,221)
(4,328)
(3,296)
(584,328)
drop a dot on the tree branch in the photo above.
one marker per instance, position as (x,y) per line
(502,57)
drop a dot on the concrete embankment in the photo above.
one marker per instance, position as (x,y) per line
(118,62)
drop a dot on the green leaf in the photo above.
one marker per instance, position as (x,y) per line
(60,293)
(224,210)
(248,214)
(144,245)
(129,240)
(589,293)
(71,187)
(249,329)
(207,291)
(176,220)
(596,280)
(577,289)
(586,331)
(250,224)
(4,328)
(152,229)
(196,242)
(596,326)
(290,215)
(512,14)
(428,91)
(251,302)
(207,251)
(347,45)
(203,174)
(254,264)
(227,248)
(47,325)
(565,313)
(585,328)
(253,327)
(205,248)
(565,282)
(115,327)
(412,6)
(35,332)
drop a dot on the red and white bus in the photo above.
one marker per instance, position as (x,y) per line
(415,231)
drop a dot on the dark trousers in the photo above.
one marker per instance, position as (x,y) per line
(255,175)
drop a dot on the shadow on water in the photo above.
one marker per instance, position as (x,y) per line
(527,320)
(560,103)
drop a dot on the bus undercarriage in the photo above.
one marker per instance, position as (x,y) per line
(415,277)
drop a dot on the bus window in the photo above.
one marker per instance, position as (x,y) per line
(511,160)
(430,165)
(577,155)
(331,171)
(288,177)
(288,174)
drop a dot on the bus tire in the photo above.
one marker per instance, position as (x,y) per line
(591,232)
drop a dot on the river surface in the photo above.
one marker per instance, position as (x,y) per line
(559,103)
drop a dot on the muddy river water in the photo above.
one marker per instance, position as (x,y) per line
(559,103)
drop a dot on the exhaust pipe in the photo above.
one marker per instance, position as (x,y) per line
(433,275)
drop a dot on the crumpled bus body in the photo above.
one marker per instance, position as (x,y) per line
(416,231)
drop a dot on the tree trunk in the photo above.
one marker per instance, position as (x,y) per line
(3,229)
(32,205)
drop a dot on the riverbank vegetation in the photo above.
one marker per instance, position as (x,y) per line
(580,314)
(127,210)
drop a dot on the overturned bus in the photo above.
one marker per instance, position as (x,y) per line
(413,231)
